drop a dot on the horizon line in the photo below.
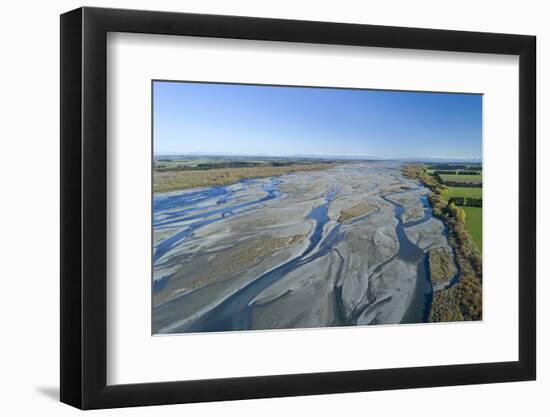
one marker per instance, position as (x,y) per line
(313,155)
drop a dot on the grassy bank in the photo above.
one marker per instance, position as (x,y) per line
(173,180)
(463,300)
(473,215)
(474,225)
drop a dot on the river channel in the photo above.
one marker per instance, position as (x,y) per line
(188,211)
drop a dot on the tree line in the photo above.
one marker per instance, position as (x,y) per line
(447,172)
(466,201)
(457,183)
(451,213)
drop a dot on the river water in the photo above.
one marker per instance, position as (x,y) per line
(213,203)
(190,211)
(421,303)
(235,312)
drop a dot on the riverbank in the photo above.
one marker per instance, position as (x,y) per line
(175,180)
(461,300)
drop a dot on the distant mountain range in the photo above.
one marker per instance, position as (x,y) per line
(359,157)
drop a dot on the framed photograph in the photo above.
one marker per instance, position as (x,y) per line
(257,207)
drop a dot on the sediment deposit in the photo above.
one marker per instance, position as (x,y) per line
(350,245)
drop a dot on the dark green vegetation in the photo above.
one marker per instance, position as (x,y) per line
(467,195)
(474,166)
(471,201)
(463,300)
(464,175)
(457,172)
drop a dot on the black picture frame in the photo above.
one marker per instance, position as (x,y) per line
(84,207)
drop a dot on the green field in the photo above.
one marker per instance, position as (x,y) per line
(473,214)
(469,192)
(460,178)
(474,225)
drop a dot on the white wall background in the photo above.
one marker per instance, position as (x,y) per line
(29,219)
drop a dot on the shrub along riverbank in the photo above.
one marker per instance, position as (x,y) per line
(463,300)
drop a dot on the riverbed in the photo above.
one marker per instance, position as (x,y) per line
(271,254)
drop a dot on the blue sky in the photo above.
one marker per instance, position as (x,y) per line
(273,120)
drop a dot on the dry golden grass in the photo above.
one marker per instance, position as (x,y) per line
(357,210)
(234,260)
(460,302)
(441,265)
(164,181)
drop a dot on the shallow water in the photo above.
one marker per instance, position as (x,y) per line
(421,303)
(187,212)
(215,203)
(235,312)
